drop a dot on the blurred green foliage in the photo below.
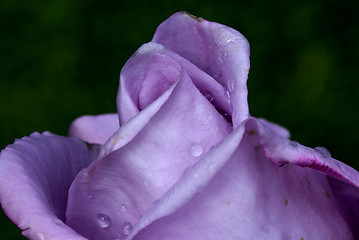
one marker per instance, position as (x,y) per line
(60,59)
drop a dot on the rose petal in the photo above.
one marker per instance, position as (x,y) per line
(94,129)
(281,131)
(132,177)
(236,192)
(347,197)
(220,51)
(35,175)
(151,71)
(154,67)
(147,66)
(131,128)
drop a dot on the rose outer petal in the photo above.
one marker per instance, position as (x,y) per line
(35,175)
(236,192)
(134,176)
(218,50)
(94,129)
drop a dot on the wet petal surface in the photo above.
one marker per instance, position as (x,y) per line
(132,177)
(238,191)
(218,50)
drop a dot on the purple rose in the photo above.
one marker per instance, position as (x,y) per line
(183,159)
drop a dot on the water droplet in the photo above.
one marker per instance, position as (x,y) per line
(230,39)
(340,165)
(58,221)
(196,150)
(293,144)
(123,208)
(325,153)
(212,168)
(127,227)
(224,56)
(89,195)
(102,220)
(85,176)
(233,85)
(41,236)
(209,97)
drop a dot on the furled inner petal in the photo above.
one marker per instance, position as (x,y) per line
(35,174)
(145,78)
(94,129)
(236,192)
(220,51)
(152,70)
(131,178)
(132,127)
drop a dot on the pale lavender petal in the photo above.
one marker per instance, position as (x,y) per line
(94,129)
(132,127)
(220,51)
(236,192)
(131,178)
(145,78)
(151,71)
(281,131)
(35,175)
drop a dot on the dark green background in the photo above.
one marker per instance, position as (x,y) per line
(60,59)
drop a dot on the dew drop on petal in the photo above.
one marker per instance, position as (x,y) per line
(341,167)
(224,57)
(209,97)
(123,208)
(228,95)
(41,236)
(325,153)
(85,177)
(127,227)
(58,221)
(212,168)
(293,144)
(89,195)
(102,220)
(196,150)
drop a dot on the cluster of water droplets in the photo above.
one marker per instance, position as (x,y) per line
(209,97)
(104,221)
